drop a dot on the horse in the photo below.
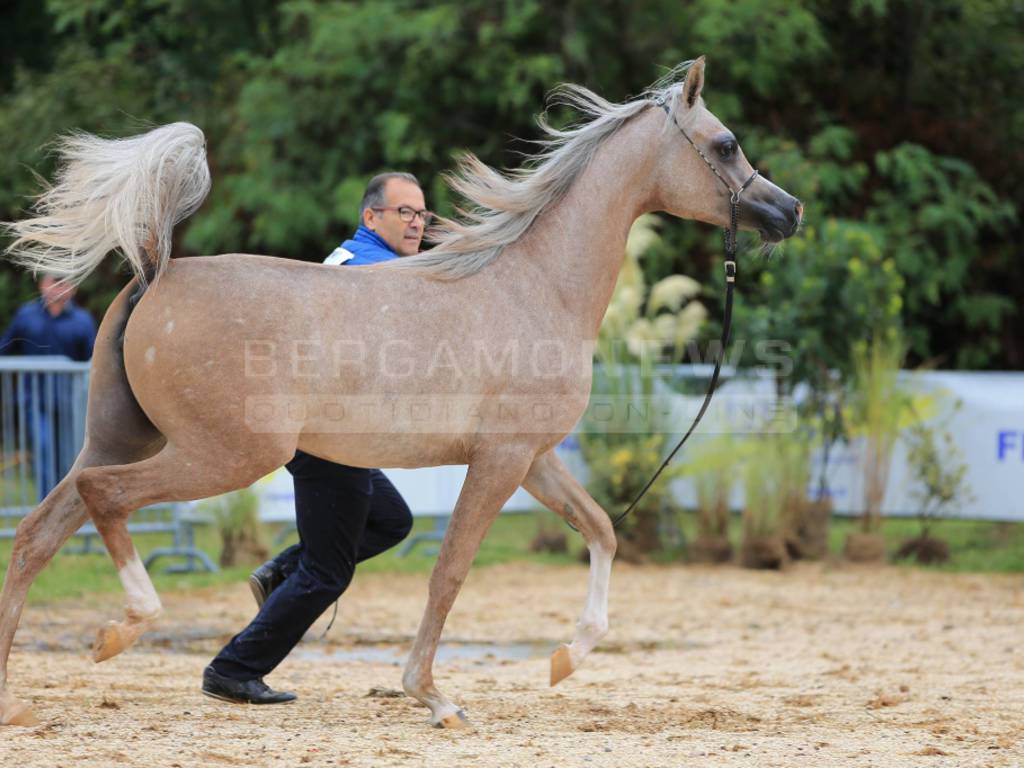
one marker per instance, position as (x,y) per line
(210,372)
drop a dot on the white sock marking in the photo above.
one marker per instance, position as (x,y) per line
(143,601)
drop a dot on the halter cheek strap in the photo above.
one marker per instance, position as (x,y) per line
(734,195)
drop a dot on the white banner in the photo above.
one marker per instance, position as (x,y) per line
(988,430)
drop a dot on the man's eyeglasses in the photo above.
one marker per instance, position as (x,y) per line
(407,214)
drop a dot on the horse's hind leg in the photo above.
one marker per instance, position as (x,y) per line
(554,486)
(38,538)
(117,432)
(143,605)
(112,493)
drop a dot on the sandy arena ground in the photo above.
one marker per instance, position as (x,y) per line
(819,666)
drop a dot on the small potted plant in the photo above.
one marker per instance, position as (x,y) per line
(236,516)
(940,476)
(877,409)
(764,496)
(714,467)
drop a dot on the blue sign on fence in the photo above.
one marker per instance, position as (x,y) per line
(1010,444)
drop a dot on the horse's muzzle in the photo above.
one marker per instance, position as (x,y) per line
(775,220)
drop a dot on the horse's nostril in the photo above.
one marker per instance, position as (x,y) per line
(799,209)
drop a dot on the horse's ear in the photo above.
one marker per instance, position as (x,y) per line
(694,82)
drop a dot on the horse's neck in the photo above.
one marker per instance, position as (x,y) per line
(577,247)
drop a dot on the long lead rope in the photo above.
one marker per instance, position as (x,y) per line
(730,283)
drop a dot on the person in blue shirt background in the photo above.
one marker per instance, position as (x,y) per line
(50,325)
(344,514)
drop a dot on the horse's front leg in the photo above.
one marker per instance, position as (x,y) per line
(551,483)
(493,476)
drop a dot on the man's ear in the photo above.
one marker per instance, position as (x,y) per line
(694,82)
(368,218)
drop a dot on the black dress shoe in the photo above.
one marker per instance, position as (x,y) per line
(265,580)
(242,691)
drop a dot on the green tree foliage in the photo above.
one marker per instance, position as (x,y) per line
(935,213)
(898,123)
(118,67)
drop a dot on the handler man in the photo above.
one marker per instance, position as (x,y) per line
(344,514)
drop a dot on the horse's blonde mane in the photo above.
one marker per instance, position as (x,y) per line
(503,206)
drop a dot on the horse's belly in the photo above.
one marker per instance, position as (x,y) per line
(428,429)
(387,450)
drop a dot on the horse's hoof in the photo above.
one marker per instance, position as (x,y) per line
(24,717)
(14,712)
(455,721)
(110,641)
(561,664)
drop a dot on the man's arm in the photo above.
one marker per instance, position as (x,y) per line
(86,339)
(10,342)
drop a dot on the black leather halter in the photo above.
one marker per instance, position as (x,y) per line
(730,283)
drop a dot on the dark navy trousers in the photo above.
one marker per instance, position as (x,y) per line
(344,515)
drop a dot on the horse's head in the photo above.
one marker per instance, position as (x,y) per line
(699,184)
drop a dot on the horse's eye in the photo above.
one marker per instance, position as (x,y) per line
(727,149)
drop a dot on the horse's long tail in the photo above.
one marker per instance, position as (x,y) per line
(124,194)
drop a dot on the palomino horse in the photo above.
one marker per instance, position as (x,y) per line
(210,372)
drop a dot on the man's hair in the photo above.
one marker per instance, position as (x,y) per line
(373,197)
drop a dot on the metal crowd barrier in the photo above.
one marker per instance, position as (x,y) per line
(42,425)
(42,428)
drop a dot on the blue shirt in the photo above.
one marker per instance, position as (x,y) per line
(34,331)
(366,247)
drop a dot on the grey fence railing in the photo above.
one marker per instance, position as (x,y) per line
(42,428)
